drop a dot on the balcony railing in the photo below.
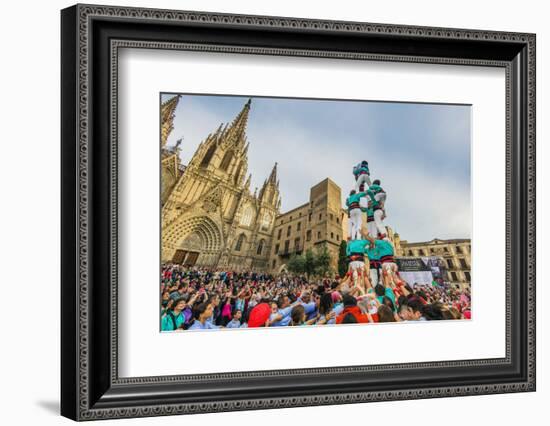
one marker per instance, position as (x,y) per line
(291,250)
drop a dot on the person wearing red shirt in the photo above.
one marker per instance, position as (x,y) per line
(350,307)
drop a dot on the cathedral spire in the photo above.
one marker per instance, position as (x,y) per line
(219,130)
(270,189)
(273,176)
(236,132)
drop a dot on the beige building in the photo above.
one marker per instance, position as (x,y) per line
(455,253)
(320,221)
(209,215)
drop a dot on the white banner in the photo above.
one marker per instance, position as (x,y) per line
(417,277)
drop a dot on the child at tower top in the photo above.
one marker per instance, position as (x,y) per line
(362,175)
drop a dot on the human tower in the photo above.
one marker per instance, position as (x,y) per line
(369,251)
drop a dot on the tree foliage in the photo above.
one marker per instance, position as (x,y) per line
(296,264)
(342,259)
(322,260)
(311,262)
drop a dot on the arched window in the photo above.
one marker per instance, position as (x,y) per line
(248,213)
(208,156)
(226,160)
(237,174)
(240,242)
(267,219)
(260,247)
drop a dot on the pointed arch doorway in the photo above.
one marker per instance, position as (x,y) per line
(201,243)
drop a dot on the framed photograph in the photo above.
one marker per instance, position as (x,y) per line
(265,212)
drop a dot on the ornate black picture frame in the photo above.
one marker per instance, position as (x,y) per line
(91,36)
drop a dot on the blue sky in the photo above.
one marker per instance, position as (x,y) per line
(420,152)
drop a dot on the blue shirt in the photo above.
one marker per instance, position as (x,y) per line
(337,309)
(197,325)
(310,309)
(233,324)
(286,318)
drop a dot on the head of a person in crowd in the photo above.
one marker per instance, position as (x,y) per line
(376,182)
(203,311)
(325,304)
(349,301)
(274,307)
(215,299)
(385,314)
(306,297)
(349,319)
(379,290)
(352,192)
(166,301)
(298,315)
(179,304)
(237,315)
(432,311)
(422,294)
(416,307)
(405,313)
(283,302)
(336,297)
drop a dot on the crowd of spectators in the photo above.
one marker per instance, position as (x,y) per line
(200,299)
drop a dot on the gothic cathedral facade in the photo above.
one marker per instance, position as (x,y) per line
(209,216)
